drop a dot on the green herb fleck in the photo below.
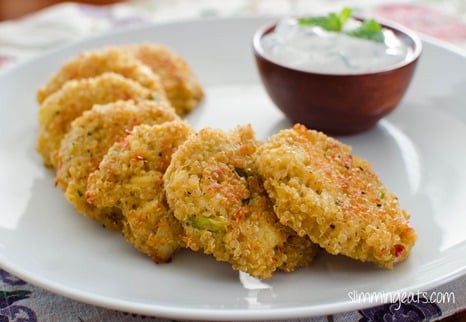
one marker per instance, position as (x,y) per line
(156,97)
(206,223)
(80,194)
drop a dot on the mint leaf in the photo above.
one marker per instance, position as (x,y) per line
(332,22)
(344,15)
(370,30)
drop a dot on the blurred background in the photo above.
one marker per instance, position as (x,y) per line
(11,9)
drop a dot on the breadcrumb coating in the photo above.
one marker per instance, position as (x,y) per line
(130,178)
(181,85)
(323,191)
(215,192)
(76,96)
(88,140)
(92,63)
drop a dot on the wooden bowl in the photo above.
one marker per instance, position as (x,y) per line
(338,104)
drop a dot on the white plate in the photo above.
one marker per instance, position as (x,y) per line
(418,151)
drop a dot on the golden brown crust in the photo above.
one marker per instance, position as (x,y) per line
(214,190)
(76,96)
(321,190)
(95,62)
(130,178)
(88,140)
(181,85)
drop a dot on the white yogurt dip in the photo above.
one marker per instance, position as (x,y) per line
(314,49)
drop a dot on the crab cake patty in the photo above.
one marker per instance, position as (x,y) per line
(88,140)
(178,80)
(319,189)
(130,178)
(95,62)
(59,109)
(213,189)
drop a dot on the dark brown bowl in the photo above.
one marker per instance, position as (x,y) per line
(337,104)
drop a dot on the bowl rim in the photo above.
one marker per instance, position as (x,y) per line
(395,27)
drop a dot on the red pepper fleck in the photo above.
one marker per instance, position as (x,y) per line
(123,142)
(399,250)
(239,216)
(128,131)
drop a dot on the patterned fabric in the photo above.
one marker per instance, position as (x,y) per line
(402,312)
(10,310)
(21,302)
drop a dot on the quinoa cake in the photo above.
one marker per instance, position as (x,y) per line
(88,140)
(323,191)
(214,190)
(130,178)
(92,63)
(76,96)
(178,80)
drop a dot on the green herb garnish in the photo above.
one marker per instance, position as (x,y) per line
(369,29)
(333,22)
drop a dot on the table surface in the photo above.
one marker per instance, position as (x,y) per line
(445,21)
